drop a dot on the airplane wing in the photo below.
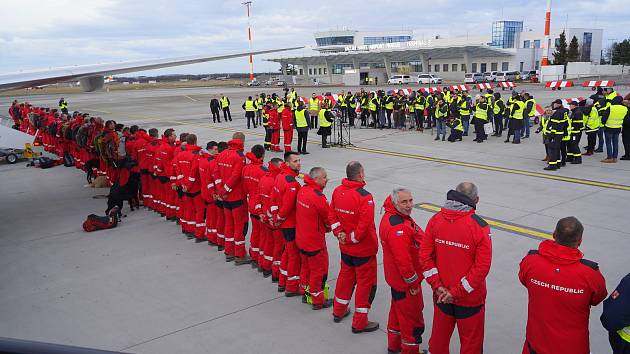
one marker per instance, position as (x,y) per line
(92,76)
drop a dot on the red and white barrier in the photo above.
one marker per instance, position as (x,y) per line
(566,101)
(485,86)
(539,110)
(507,84)
(460,87)
(558,84)
(431,89)
(599,83)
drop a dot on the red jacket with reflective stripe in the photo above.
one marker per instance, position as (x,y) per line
(312,210)
(284,196)
(562,287)
(287,119)
(229,172)
(400,238)
(252,173)
(274,119)
(206,180)
(456,253)
(164,158)
(265,190)
(189,160)
(140,145)
(352,211)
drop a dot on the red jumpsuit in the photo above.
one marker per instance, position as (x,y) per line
(312,210)
(252,173)
(177,172)
(229,187)
(151,152)
(274,126)
(456,253)
(400,238)
(192,202)
(207,164)
(164,170)
(287,128)
(272,236)
(352,211)
(562,287)
(283,199)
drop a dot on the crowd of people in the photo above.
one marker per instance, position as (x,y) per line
(215,191)
(601,117)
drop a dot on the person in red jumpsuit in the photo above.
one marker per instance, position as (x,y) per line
(229,188)
(400,238)
(287,126)
(177,184)
(192,201)
(132,154)
(252,173)
(164,171)
(456,253)
(312,210)
(271,237)
(352,222)
(273,122)
(562,287)
(145,152)
(207,164)
(284,195)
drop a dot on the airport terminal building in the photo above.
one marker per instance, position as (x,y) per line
(355,57)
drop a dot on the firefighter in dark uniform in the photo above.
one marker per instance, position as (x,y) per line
(557,128)
(574,155)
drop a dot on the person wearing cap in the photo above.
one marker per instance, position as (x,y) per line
(517,109)
(613,119)
(574,155)
(530,110)
(592,126)
(557,125)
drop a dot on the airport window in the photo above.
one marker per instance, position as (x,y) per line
(310,71)
(526,44)
(505,66)
(339,68)
(474,67)
(325,71)
(445,67)
(341,40)
(585,51)
(301,71)
(385,39)
(364,65)
(463,68)
(320,71)
(536,43)
(484,67)
(521,65)
(398,64)
(537,65)
(504,33)
(454,67)
(494,66)
(436,68)
(378,65)
(416,66)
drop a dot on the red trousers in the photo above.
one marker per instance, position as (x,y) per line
(288,138)
(220,224)
(266,247)
(254,240)
(155,192)
(290,263)
(235,227)
(470,326)
(211,220)
(362,272)
(275,140)
(193,206)
(199,215)
(314,274)
(179,205)
(160,195)
(406,323)
(147,197)
(170,200)
(272,249)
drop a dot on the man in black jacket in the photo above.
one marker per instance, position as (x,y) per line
(214,108)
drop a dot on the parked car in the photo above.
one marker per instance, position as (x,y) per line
(528,75)
(253,83)
(491,76)
(473,78)
(506,76)
(399,80)
(428,79)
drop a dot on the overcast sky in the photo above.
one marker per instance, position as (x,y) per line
(36,34)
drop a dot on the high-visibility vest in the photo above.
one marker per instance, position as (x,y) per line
(420,101)
(350,101)
(63,104)
(224,102)
(323,122)
(496,109)
(544,123)
(481,113)
(459,125)
(259,103)
(624,333)
(533,101)
(518,112)
(490,100)
(617,114)
(265,119)
(463,110)
(280,105)
(410,105)
(565,118)
(389,104)
(447,96)
(567,134)
(372,104)
(439,114)
(342,100)
(314,104)
(611,95)
(249,106)
(300,119)
(593,121)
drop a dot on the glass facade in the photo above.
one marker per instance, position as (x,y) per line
(385,39)
(342,40)
(504,33)
(339,68)
(585,51)
(526,44)
(536,43)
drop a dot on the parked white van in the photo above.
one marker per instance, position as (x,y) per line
(399,80)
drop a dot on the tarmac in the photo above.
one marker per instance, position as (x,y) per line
(143,288)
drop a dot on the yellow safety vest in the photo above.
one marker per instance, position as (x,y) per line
(611,95)
(518,113)
(314,104)
(462,110)
(323,122)
(481,113)
(439,114)
(390,102)
(420,103)
(300,119)
(224,102)
(63,104)
(259,103)
(342,100)
(617,114)
(249,106)
(544,122)
(459,125)
(533,101)
(593,121)
(372,104)
(624,333)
